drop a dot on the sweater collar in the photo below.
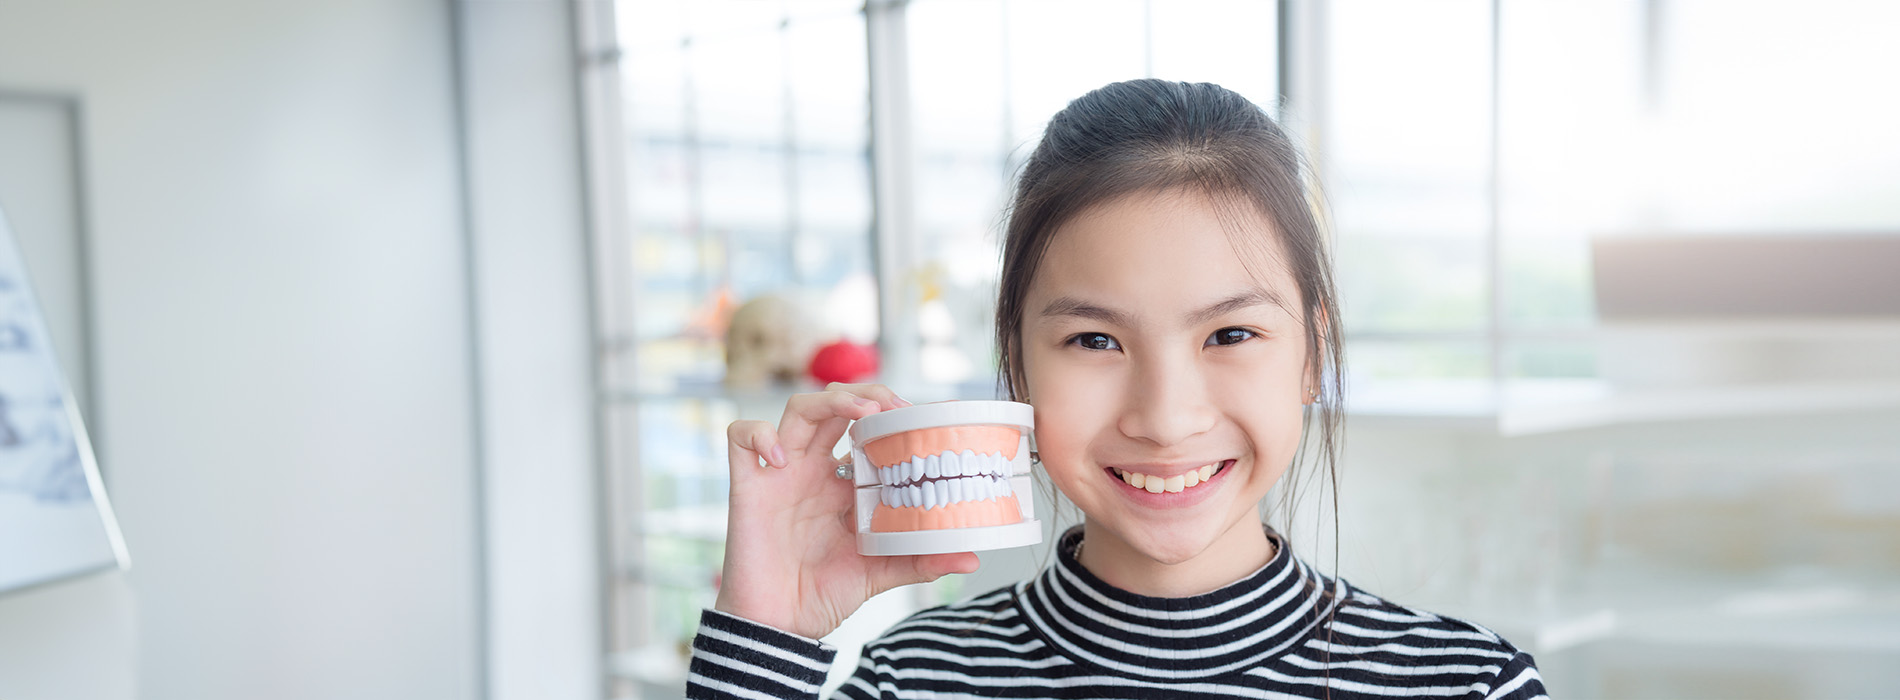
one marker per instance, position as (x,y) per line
(1232,628)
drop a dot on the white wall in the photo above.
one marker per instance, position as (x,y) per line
(282,331)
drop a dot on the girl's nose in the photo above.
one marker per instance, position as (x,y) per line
(1167,403)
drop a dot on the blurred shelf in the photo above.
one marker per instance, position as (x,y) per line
(705,390)
(1533,407)
(1628,407)
(706,523)
(714,389)
(691,577)
(1456,404)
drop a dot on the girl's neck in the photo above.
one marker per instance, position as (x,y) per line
(1240,551)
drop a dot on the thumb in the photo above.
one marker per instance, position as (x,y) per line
(903,571)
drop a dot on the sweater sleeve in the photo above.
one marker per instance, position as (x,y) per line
(737,658)
(1518,680)
(872,681)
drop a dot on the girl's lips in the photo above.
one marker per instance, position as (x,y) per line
(1179,499)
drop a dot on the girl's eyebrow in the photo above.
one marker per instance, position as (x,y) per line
(1071,306)
(1251,297)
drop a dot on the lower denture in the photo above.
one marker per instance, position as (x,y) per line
(997,511)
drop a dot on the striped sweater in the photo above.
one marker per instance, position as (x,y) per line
(1284,631)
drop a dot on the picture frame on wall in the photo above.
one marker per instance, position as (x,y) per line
(56,521)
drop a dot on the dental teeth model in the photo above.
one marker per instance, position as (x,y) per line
(944,477)
(946,488)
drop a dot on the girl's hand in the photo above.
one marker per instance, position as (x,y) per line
(792,557)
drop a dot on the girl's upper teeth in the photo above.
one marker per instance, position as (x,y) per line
(1170,484)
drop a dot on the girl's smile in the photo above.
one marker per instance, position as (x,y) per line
(1186,487)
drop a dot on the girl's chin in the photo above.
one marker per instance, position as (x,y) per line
(1166,545)
(1171,553)
(1176,540)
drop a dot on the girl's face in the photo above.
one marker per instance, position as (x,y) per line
(1148,348)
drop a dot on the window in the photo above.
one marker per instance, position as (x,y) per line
(1469,150)
(751,168)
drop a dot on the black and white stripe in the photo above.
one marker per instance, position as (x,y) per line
(1283,632)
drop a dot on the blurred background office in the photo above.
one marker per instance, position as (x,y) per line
(402,325)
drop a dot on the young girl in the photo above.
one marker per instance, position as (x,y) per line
(1167,306)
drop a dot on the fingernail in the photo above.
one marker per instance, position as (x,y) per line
(778,455)
(865,402)
(899,401)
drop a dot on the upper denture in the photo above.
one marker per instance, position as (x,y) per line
(982,439)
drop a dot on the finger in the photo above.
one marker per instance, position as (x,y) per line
(825,439)
(892,572)
(829,433)
(885,397)
(748,441)
(954,563)
(810,417)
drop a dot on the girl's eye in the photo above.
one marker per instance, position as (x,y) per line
(1095,341)
(1230,336)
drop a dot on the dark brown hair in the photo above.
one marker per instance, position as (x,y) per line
(1152,136)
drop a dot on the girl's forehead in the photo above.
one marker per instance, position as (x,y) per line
(1162,249)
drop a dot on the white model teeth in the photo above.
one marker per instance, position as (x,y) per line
(943,492)
(943,479)
(1170,484)
(943,466)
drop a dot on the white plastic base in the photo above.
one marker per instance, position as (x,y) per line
(961,539)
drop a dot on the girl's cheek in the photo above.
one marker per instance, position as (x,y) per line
(1072,404)
(1075,386)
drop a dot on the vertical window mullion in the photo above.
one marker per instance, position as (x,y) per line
(1494,259)
(892,196)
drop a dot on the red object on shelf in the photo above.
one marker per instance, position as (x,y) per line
(843,361)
